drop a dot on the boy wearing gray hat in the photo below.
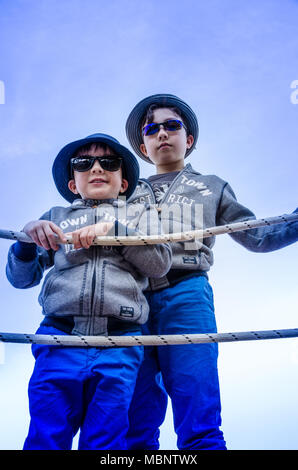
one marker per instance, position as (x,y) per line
(90,290)
(163,130)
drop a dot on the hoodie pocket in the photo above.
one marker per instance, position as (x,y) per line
(63,291)
(120,295)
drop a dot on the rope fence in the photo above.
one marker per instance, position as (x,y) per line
(146,340)
(170,237)
(156,340)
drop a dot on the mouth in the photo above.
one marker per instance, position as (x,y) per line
(97,181)
(164,146)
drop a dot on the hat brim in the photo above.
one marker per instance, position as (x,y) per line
(61,165)
(135,118)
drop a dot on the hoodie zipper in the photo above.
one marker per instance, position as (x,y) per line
(93,282)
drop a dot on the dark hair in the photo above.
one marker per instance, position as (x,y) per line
(149,115)
(87,147)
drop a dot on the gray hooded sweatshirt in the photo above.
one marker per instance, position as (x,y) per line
(93,286)
(194,201)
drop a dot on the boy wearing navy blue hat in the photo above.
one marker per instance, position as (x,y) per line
(93,290)
(163,130)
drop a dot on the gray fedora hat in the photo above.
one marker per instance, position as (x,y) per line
(134,120)
(61,165)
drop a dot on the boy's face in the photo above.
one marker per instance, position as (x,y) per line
(166,149)
(97,183)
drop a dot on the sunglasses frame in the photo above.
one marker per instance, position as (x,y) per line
(92,160)
(164,124)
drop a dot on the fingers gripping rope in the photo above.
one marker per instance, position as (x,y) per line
(146,340)
(170,237)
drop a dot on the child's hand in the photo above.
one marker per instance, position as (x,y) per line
(83,237)
(44,233)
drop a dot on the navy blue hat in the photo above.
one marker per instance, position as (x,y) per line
(61,165)
(134,120)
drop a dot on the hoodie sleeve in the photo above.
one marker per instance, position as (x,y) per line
(151,260)
(27,262)
(259,240)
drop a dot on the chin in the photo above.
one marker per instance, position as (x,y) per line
(170,159)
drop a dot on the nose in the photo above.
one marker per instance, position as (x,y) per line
(96,167)
(162,133)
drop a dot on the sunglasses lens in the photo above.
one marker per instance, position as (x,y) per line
(81,164)
(173,125)
(151,129)
(110,164)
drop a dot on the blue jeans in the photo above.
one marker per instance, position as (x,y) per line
(187,373)
(74,388)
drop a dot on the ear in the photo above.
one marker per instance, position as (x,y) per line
(189,141)
(72,186)
(124,186)
(143,150)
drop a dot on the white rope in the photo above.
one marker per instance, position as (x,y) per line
(156,340)
(170,237)
(146,340)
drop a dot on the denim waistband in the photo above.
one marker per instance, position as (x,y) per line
(66,324)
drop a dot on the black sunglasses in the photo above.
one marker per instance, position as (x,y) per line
(169,125)
(85,163)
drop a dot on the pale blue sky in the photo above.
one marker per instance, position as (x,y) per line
(74,67)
